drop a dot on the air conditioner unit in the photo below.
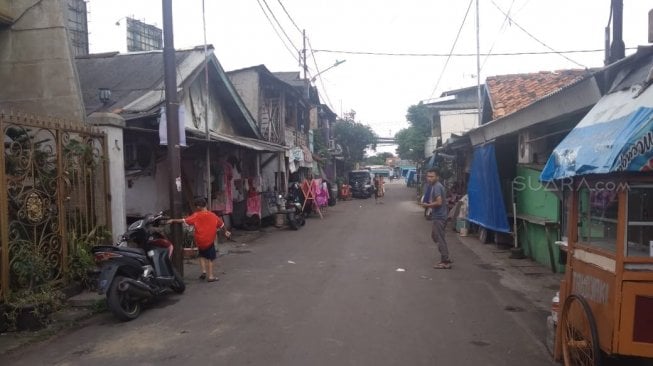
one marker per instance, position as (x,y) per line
(332,144)
(524,153)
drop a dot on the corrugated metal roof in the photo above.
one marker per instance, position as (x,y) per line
(136,82)
(129,76)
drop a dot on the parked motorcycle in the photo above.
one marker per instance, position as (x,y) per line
(130,277)
(292,206)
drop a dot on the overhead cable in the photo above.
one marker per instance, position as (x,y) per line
(535,38)
(453,46)
(319,74)
(417,54)
(289,17)
(295,56)
(280,26)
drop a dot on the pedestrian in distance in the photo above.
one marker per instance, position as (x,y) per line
(379,190)
(206,224)
(434,199)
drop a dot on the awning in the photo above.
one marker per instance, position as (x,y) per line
(486,204)
(615,136)
(247,142)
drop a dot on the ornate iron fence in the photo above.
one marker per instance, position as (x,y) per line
(55,179)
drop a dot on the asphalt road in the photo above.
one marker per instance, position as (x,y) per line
(329,294)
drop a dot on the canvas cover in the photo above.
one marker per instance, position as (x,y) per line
(486,204)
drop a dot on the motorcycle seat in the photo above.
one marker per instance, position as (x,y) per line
(132,250)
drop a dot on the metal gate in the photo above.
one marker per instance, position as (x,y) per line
(55,179)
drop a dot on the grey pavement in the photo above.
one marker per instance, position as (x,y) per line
(330,294)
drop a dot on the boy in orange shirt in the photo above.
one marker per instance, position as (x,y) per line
(206,224)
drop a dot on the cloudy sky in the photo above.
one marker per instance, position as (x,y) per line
(381,88)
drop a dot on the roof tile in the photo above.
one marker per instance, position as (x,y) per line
(510,93)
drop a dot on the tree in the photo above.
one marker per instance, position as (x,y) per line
(378,159)
(411,140)
(354,137)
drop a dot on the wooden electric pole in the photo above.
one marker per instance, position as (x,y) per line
(172,114)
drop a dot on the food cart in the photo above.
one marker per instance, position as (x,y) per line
(604,171)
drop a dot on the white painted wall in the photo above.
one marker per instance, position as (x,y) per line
(457,122)
(112,125)
(146,194)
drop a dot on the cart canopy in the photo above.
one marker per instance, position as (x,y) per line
(616,135)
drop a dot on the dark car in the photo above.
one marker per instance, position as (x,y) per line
(361,183)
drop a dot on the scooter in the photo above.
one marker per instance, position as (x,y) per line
(130,277)
(292,207)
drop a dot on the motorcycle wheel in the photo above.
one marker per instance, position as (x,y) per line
(121,304)
(178,284)
(294,224)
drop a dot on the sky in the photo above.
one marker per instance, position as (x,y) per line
(381,88)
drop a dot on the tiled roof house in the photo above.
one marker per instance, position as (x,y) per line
(510,93)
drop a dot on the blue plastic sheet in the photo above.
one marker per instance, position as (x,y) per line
(599,147)
(486,205)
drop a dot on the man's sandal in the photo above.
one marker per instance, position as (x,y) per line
(203,276)
(442,265)
(212,279)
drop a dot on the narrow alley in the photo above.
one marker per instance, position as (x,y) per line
(332,293)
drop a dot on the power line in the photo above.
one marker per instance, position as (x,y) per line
(294,55)
(289,17)
(319,74)
(280,26)
(533,37)
(501,30)
(411,54)
(453,46)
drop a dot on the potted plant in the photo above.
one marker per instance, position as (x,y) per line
(29,310)
(28,307)
(190,250)
(82,269)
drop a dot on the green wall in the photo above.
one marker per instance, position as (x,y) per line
(533,200)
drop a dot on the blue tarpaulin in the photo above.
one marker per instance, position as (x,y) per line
(486,205)
(615,136)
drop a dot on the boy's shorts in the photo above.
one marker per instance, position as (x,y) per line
(208,253)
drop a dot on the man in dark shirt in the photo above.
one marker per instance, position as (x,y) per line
(434,198)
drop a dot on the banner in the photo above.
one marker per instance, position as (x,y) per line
(163,126)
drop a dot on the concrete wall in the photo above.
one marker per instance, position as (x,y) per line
(457,122)
(145,194)
(37,70)
(247,85)
(112,125)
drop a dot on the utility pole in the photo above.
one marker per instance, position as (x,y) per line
(305,66)
(618,48)
(172,113)
(478,64)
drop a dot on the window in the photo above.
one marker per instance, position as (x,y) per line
(640,223)
(598,218)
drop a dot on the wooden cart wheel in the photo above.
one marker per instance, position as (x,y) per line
(580,340)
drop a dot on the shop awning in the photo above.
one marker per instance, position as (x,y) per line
(247,142)
(486,204)
(615,136)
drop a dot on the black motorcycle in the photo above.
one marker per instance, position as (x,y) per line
(130,277)
(292,206)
